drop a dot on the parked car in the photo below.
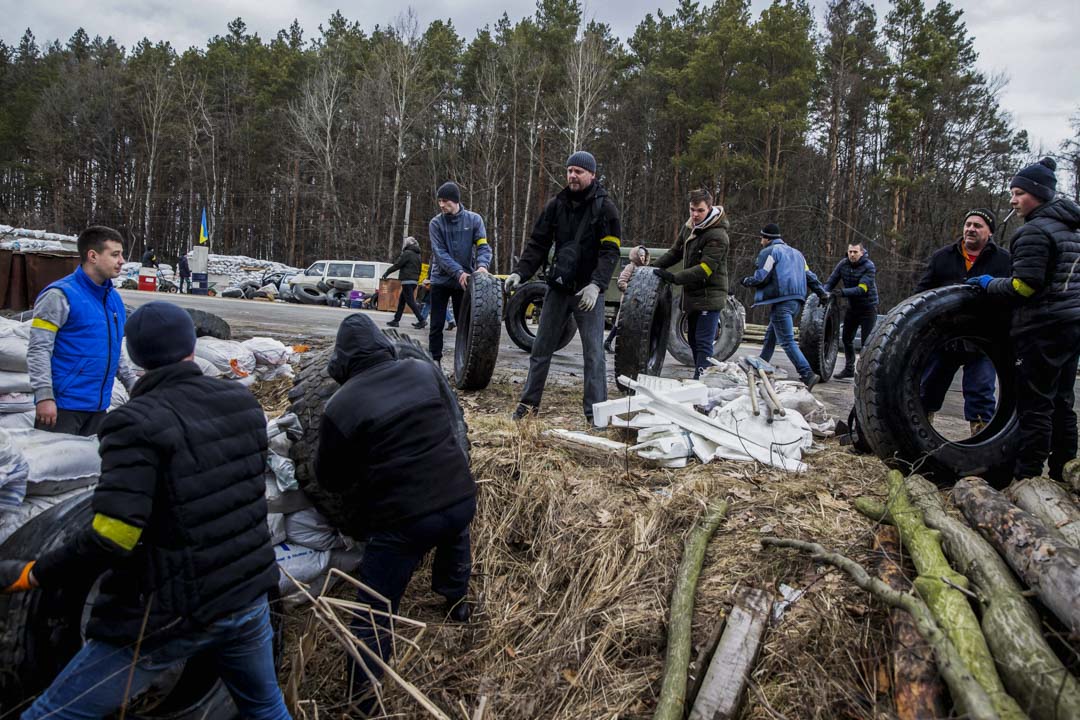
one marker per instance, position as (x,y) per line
(363,274)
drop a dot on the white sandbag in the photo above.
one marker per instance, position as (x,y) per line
(265,373)
(119,396)
(284,471)
(276,523)
(14,382)
(268,351)
(14,342)
(311,529)
(58,462)
(18,420)
(303,563)
(282,432)
(230,357)
(14,472)
(31,508)
(16,403)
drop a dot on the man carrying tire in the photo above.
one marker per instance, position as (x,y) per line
(179,529)
(855,279)
(975,254)
(583,224)
(410,468)
(75,336)
(1044,288)
(702,245)
(781,280)
(455,233)
(408,269)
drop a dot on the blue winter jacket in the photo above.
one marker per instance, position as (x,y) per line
(782,274)
(86,353)
(858,282)
(453,238)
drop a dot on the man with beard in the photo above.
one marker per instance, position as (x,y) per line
(975,254)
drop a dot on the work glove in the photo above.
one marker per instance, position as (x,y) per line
(821,295)
(747,281)
(15,576)
(512,283)
(588,297)
(837,292)
(980,281)
(664,275)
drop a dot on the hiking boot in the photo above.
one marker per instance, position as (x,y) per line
(419,325)
(811,380)
(451,326)
(392,323)
(846,373)
(459,611)
(977,426)
(522,411)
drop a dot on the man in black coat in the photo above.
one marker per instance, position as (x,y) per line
(408,268)
(179,529)
(388,433)
(974,254)
(1044,287)
(855,279)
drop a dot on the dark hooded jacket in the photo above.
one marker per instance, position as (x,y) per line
(704,252)
(408,264)
(1045,281)
(857,282)
(388,431)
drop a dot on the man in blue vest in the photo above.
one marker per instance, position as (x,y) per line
(75,337)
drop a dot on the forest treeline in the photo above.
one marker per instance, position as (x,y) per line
(307,146)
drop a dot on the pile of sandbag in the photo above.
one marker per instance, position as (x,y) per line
(26,240)
(16,395)
(241,269)
(129,272)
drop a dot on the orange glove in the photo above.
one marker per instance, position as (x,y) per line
(15,576)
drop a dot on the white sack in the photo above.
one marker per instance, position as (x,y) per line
(311,529)
(230,357)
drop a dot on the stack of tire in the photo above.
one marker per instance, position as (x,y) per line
(729,332)
(888,408)
(333,292)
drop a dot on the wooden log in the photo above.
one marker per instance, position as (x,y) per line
(963,687)
(1031,670)
(729,672)
(1046,564)
(917,690)
(1050,503)
(943,590)
(672,701)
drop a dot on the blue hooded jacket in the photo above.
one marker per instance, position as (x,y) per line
(782,274)
(453,238)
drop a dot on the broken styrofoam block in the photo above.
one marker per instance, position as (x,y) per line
(704,449)
(674,390)
(640,421)
(580,438)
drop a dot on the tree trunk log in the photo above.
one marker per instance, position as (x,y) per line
(1051,504)
(671,705)
(964,688)
(1032,672)
(1048,565)
(917,691)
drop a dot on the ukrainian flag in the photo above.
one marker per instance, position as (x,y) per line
(204,236)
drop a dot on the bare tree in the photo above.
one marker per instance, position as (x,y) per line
(588,70)
(154,94)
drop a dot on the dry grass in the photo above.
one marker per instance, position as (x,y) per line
(573,566)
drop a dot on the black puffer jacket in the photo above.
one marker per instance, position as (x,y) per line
(1045,281)
(576,264)
(947,267)
(179,511)
(389,431)
(408,264)
(858,282)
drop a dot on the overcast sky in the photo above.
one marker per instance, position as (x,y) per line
(1033,43)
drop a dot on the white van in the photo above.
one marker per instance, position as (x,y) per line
(364,274)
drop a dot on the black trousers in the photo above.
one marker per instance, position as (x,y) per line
(1045,377)
(75,422)
(407,297)
(856,317)
(441,296)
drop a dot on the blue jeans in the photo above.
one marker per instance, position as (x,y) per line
(93,683)
(979,383)
(701,332)
(782,330)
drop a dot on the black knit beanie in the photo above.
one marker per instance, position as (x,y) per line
(449,190)
(583,160)
(159,334)
(1038,179)
(771,231)
(988,217)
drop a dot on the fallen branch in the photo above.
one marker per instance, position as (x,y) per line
(1050,503)
(1032,671)
(963,687)
(671,705)
(1046,564)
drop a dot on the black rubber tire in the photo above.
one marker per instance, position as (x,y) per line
(644,321)
(307,295)
(235,293)
(208,324)
(729,332)
(322,286)
(531,295)
(819,335)
(479,327)
(887,403)
(42,629)
(342,285)
(311,390)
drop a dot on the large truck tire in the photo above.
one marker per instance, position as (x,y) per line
(479,327)
(819,335)
(526,304)
(311,390)
(729,332)
(209,325)
(644,321)
(42,630)
(307,295)
(887,404)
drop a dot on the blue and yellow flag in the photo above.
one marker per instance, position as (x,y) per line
(204,236)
